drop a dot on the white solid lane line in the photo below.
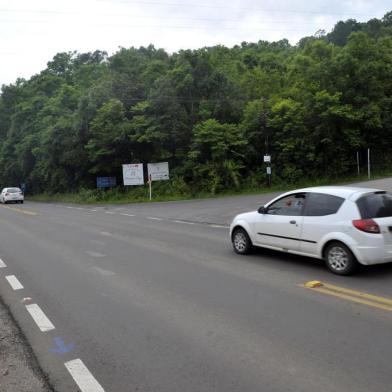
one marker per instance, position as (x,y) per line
(14,282)
(82,376)
(2,264)
(43,323)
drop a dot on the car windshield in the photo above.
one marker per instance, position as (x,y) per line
(376,205)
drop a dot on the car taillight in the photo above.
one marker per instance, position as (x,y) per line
(367,225)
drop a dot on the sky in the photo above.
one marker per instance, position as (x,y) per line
(32,32)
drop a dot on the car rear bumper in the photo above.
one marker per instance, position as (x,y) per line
(10,199)
(369,255)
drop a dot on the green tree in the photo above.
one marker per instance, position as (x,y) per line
(217,154)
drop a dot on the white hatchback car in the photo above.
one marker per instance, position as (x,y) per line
(11,195)
(345,226)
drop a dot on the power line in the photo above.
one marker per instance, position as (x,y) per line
(170,4)
(171,18)
(158,26)
(183,5)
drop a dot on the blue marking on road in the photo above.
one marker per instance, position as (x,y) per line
(61,347)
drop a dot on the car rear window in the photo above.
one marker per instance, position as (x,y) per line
(375,205)
(321,204)
(13,190)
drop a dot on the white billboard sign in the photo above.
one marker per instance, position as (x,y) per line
(133,174)
(158,171)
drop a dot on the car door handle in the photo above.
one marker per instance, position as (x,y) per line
(293,222)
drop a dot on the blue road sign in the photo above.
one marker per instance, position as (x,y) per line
(106,182)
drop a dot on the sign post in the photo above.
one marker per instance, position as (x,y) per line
(358,163)
(157,172)
(150,185)
(267,160)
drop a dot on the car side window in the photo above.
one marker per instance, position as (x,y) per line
(321,204)
(291,205)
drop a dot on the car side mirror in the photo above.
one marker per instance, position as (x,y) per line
(261,210)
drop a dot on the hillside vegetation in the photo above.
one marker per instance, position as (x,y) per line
(211,113)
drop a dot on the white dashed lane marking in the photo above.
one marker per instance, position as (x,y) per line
(152,218)
(97,242)
(186,223)
(2,264)
(82,376)
(103,272)
(43,323)
(95,254)
(106,233)
(14,282)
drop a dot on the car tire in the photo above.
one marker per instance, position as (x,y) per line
(241,241)
(339,259)
(21,202)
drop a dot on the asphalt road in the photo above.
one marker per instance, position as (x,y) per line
(152,298)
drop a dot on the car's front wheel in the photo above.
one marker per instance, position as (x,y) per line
(339,259)
(241,241)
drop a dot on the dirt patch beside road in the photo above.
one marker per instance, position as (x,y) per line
(19,371)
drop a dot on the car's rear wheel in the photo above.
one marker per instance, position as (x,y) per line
(241,241)
(339,259)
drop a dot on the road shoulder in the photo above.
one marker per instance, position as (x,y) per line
(19,370)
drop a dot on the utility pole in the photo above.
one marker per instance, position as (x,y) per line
(358,163)
(264,129)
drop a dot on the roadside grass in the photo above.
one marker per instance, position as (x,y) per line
(164,191)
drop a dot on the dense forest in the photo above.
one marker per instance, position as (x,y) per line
(212,113)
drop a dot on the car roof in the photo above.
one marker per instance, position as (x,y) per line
(347,192)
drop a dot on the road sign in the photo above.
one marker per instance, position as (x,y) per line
(106,182)
(267,158)
(269,170)
(158,171)
(133,174)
